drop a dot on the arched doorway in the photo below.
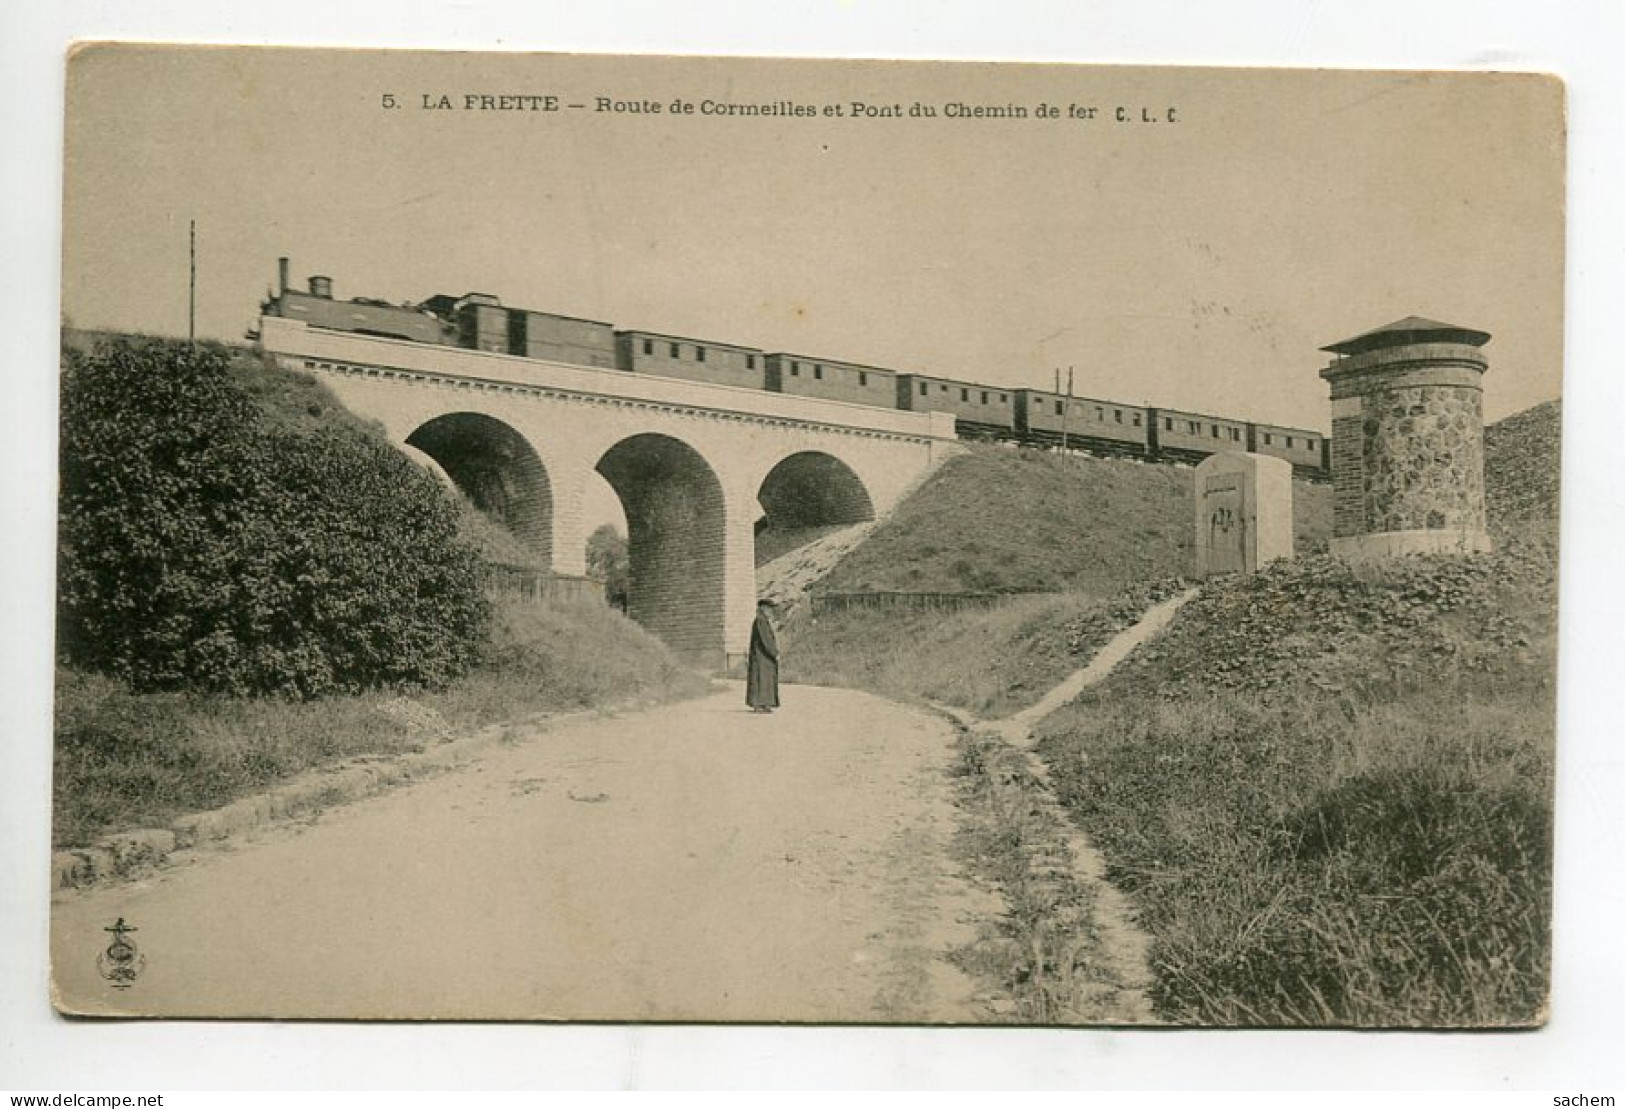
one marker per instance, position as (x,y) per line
(675,520)
(499,472)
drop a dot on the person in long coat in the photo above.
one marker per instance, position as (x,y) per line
(762,672)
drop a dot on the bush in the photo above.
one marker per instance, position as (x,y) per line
(207,544)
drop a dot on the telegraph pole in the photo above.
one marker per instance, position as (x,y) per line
(1068,392)
(1063,408)
(191,289)
(1066,404)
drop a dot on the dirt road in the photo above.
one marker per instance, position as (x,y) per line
(689,862)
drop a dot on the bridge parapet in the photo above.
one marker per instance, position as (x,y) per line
(341,352)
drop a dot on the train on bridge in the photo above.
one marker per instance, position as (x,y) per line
(1033,417)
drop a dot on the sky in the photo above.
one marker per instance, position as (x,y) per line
(1195,264)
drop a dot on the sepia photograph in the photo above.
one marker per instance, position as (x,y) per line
(585,538)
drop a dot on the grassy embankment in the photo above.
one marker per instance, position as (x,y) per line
(129,760)
(1328,789)
(1075,543)
(125,760)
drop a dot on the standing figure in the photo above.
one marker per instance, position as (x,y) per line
(762,673)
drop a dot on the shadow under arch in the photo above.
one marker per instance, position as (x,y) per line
(676,541)
(497,469)
(813,489)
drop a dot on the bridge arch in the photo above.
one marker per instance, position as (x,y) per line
(676,520)
(497,469)
(813,489)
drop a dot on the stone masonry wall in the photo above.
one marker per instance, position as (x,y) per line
(676,567)
(1422,461)
(1348,475)
(676,520)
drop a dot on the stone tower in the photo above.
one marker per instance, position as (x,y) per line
(1407,449)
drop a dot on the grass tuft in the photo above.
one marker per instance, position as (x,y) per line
(1044,950)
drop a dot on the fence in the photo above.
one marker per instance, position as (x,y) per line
(537,586)
(914,602)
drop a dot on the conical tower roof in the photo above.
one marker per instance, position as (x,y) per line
(1411,329)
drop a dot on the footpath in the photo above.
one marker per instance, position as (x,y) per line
(1088,959)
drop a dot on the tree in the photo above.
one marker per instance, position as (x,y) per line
(607,562)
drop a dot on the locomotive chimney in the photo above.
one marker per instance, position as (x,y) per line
(282,275)
(321,286)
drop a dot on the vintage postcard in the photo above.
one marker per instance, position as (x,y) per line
(587,538)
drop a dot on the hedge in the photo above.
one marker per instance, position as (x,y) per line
(206,545)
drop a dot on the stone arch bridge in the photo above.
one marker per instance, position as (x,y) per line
(696,466)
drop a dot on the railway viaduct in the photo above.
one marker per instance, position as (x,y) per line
(696,466)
